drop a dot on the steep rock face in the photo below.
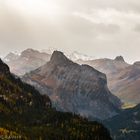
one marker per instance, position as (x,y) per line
(75,88)
(123,78)
(28,60)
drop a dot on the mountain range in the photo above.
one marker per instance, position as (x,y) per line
(123,78)
(30,59)
(75,88)
(81,88)
(26,114)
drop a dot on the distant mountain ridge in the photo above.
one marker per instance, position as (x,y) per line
(107,65)
(123,78)
(74,88)
(27,61)
(30,59)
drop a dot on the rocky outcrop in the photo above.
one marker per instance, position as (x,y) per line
(74,88)
(119,58)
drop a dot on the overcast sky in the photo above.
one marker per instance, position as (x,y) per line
(99,28)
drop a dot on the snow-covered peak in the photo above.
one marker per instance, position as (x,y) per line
(78,56)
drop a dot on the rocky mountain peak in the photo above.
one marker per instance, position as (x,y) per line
(59,58)
(74,88)
(28,52)
(4,69)
(119,58)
